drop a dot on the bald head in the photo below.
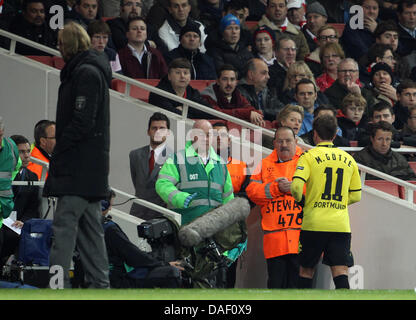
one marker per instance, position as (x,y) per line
(202,136)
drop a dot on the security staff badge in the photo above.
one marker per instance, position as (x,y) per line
(80,102)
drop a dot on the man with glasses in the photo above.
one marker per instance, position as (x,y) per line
(347,82)
(44,145)
(276,19)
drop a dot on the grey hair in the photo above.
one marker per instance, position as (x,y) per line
(347,60)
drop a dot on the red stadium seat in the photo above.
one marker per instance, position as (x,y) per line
(135,92)
(412,165)
(200,85)
(339,27)
(402,194)
(58,62)
(385,186)
(105,19)
(251,25)
(43,59)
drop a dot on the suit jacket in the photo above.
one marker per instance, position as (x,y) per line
(26,198)
(144,183)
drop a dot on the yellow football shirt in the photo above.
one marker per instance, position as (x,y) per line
(331,175)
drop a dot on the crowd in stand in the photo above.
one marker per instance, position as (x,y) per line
(292,67)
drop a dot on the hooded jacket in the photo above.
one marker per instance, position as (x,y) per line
(80,161)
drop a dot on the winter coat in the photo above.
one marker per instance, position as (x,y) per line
(80,161)
(203,67)
(392,163)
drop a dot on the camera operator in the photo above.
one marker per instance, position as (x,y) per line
(131,267)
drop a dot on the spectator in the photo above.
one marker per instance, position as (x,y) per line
(347,81)
(406,95)
(78,174)
(99,33)
(137,59)
(378,53)
(286,55)
(84,12)
(203,67)
(177,82)
(291,116)
(224,96)
(379,156)
(229,49)
(145,164)
(406,11)
(382,83)
(339,141)
(316,18)
(281,226)
(356,42)
(276,19)
(157,11)
(331,55)
(256,9)
(296,72)
(265,44)
(254,88)
(306,96)
(10,164)
(351,117)
(382,111)
(31,24)
(25,198)
(408,132)
(211,13)
(44,145)
(326,34)
(296,13)
(178,17)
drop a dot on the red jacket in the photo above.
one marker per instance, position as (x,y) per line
(156,65)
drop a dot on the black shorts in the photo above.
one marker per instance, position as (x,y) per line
(335,246)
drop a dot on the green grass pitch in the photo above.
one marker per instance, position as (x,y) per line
(203,294)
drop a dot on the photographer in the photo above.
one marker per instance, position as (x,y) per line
(131,267)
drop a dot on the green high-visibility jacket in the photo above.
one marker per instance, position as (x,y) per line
(184,174)
(10,164)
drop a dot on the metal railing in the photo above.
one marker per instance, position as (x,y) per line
(408,187)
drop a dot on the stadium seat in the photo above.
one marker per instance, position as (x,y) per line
(402,194)
(200,85)
(252,25)
(58,62)
(42,59)
(135,92)
(385,186)
(339,27)
(412,165)
(105,19)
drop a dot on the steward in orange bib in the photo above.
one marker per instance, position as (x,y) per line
(281,214)
(239,179)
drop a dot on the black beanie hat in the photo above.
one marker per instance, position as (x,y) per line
(190,27)
(381,66)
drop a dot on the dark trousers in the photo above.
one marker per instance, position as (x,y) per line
(283,272)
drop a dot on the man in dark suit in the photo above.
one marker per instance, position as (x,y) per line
(26,200)
(145,164)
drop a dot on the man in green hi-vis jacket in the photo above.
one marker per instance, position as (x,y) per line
(195,180)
